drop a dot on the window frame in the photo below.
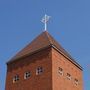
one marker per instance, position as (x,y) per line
(39,70)
(16,78)
(69,76)
(27,75)
(76,81)
(60,71)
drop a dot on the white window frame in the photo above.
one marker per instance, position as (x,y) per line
(15,78)
(39,70)
(68,76)
(60,71)
(27,75)
(76,81)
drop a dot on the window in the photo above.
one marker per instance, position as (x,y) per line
(68,76)
(15,78)
(60,71)
(27,75)
(76,81)
(39,70)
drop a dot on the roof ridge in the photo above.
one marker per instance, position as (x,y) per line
(48,37)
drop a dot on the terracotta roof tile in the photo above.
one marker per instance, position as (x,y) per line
(41,41)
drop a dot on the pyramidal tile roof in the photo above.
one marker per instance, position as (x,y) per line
(40,42)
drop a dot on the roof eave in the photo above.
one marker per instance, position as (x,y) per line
(72,60)
(12,60)
(51,45)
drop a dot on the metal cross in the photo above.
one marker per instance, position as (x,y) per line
(45,19)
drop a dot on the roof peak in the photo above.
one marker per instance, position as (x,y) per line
(41,41)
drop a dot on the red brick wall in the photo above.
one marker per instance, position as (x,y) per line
(50,79)
(35,82)
(61,82)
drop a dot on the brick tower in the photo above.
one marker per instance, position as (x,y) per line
(43,65)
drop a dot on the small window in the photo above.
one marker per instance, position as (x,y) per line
(15,78)
(27,75)
(60,71)
(76,81)
(68,76)
(39,70)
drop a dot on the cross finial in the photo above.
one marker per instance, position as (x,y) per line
(45,19)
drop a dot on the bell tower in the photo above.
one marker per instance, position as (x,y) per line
(43,65)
